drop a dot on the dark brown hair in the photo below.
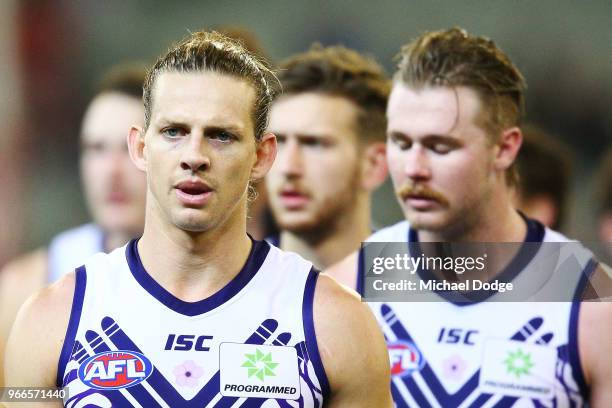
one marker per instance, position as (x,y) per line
(340,71)
(545,167)
(126,78)
(603,184)
(211,51)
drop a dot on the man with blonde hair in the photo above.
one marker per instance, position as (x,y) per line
(452,139)
(195,312)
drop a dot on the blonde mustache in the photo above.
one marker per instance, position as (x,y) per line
(408,190)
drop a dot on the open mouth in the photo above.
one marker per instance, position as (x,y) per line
(193,193)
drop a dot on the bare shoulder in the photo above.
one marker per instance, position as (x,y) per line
(27,261)
(595,349)
(52,299)
(27,270)
(19,279)
(38,335)
(350,341)
(345,271)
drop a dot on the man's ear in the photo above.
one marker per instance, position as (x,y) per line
(374,168)
(266,153)
(136,146)
(605,227)
(507,148)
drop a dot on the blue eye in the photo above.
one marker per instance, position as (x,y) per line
(173,132)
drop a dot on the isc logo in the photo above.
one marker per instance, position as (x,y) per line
(405,358)
(115,370)
(184,342)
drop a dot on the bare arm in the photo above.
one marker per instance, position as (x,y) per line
(595,340)
(18,280)
(36,340)
(352,348)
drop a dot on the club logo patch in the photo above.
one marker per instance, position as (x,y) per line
(405,358)
(112,370)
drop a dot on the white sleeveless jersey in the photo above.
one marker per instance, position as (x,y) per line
(484,354)
(72,248)
(252,344)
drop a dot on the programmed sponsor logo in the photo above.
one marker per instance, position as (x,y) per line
(405,358)
(269,389)
(259,371)
(112,370)
(518,369)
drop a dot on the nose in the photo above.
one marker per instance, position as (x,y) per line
(290,160)
(417,165)
(194,159)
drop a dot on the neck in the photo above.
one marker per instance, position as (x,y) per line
(194,265)
(329,244)
(257,213)
(116,239)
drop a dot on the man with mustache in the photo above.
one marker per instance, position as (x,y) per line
(196,313)
(114,192)
(330,126)
(452,139)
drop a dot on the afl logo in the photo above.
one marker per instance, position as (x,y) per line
(112,370)
(405,358)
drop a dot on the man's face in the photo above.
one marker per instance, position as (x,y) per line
(439,156)
(316,173)
(114,189)
(199,148)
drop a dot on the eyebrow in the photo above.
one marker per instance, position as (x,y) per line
(323,136)
(434,137)
(324,139)
(215,125)
(430,139)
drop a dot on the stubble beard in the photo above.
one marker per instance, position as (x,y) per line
(328,215)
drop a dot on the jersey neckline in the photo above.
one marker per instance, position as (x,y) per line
(529,248)
(257,255)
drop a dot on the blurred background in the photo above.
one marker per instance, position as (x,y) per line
(52,51)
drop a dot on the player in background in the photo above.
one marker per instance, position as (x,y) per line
(603,200)
(114,193)
(545,173)
(452,139)
(269,329)
(329,124)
